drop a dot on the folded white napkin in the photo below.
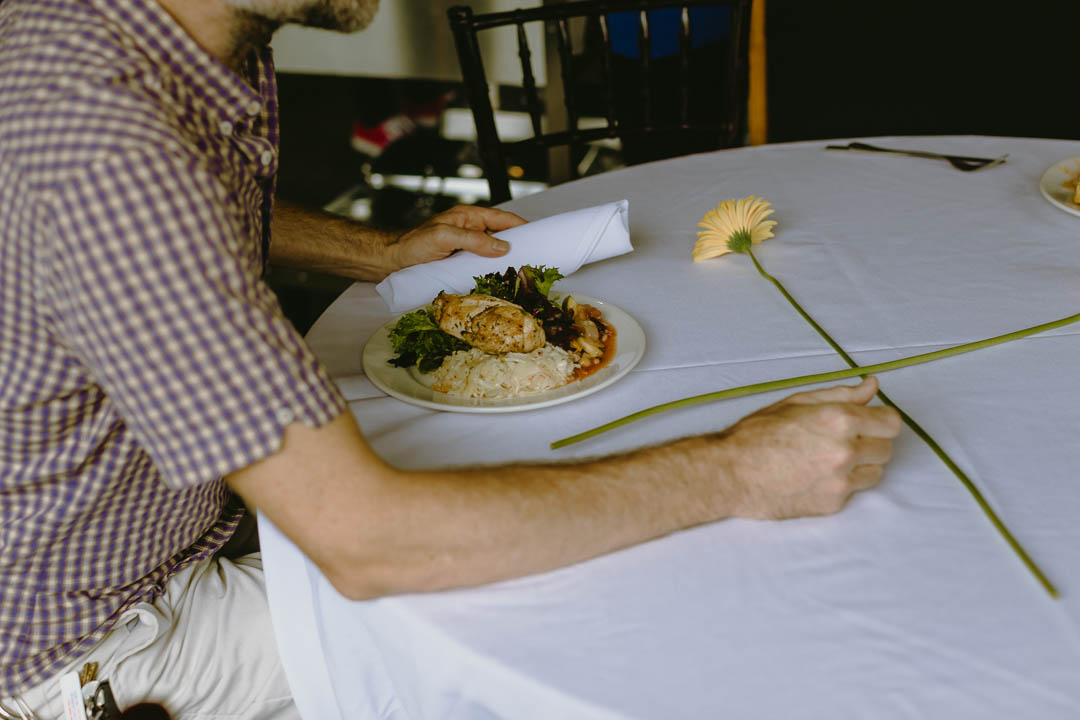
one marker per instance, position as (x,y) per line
(566,241)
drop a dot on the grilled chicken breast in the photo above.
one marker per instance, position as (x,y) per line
(488,323)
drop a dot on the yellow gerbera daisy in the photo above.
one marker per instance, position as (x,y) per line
(732,227)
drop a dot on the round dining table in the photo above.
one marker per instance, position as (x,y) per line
(907,604)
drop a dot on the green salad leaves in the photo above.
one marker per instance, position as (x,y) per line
(513,284)
(417,339)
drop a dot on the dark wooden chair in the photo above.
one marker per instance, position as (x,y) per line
(691,100)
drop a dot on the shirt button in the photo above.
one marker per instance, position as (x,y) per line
(225,127)
(284,416)
(253,108)
(267,157)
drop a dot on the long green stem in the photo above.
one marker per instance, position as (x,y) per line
(854,371)
(830,376)
(926,437)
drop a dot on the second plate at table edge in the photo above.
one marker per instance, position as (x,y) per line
(1051,184)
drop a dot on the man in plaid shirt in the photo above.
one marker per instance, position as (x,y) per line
(148,378)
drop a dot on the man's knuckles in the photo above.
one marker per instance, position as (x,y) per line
(837,419)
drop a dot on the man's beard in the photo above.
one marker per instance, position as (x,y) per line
(340,15)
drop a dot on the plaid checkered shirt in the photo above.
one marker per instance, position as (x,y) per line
(142,355)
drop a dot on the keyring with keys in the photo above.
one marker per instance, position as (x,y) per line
(100,704)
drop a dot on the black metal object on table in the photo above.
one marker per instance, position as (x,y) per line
(963,163)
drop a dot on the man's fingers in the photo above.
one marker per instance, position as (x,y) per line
(484,244)
(860,394)
(474,217)
(465,227)
(864,477)
(872,451)
(450,238)
(876,421)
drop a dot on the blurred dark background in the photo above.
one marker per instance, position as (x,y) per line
(835,68)
(841,68)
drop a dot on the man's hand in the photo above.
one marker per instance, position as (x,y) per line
(464,227)
(807,454)
(317,240)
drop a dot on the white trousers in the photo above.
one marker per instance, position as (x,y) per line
(203,650)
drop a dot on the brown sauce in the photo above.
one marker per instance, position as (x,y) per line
(607,336)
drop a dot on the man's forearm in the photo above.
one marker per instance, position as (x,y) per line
(375,531)
(465,528)
(317,240)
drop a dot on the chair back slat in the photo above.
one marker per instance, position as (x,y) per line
(528,81)
(566,61)
(655,106)
(644,55)
(737,68)
(609,74)
(476,88)
(684,66)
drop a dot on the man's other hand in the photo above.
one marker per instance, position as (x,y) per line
(464,227)
(809,453)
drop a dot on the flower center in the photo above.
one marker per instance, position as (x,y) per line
(739,241)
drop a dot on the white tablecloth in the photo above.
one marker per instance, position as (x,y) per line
(905,605)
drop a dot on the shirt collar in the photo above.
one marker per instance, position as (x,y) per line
(151,29)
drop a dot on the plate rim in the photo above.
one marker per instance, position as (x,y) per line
(1048,190)
(626,324)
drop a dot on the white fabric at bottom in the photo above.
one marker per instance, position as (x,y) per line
(204,649)
(351,660)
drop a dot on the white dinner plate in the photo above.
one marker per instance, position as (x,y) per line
(411,386)
(1057,183)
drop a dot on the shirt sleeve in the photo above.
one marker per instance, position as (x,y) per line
(154,277)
